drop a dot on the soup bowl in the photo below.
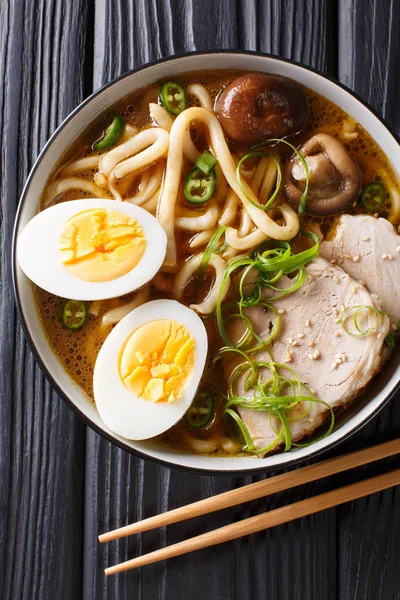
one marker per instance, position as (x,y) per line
(377,394)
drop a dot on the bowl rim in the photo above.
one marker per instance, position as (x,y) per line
(262,469)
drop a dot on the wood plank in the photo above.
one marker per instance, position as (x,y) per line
(41,441)
(297,560)
(369,54)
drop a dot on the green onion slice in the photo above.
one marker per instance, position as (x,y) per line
(267,385)
(208,252)
(74,314)
(268,204)
(303,200)
(201,410)
(391,336)
(206,162)
(199,186)
(111,135)
(373,196)
(173,97)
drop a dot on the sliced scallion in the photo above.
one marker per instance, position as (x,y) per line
(206,162)
(303,200)
(268,204)
(210,249)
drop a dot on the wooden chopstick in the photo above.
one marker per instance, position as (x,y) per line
(265,520)
(258,490)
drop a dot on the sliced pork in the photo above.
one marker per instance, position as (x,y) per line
(334,364)
(368,249)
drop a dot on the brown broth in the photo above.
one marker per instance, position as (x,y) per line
(77,351)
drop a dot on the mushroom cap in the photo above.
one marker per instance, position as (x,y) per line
(334,178)
(256,106)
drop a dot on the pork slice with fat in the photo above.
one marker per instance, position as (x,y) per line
(311,340)
(368,249)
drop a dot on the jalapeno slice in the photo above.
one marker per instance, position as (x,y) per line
(74,314)
(199,186)
(373,196)
(201,410)
(111,135)
(173,97)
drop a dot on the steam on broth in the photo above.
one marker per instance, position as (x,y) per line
(243,305)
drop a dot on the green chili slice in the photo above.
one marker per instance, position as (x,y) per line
(111,135)
(206,162)
(373,196)
(173,97)
(74,314)
(201,411)
(199,186)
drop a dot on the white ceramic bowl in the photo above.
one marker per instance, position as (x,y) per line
(356,416)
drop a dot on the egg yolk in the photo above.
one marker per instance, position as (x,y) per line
(101,245)
(157,360)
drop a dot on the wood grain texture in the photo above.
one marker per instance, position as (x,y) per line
(368,62)
(60,487)
(41,441)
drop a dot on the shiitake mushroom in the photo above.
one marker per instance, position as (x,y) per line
(256,107)
(334,178)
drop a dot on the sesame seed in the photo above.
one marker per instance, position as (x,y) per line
(380,335)
(311,277)
(393,327)
(338,361)
(300,335)
(361,282)
(376,215)
(335,279)
(312,390)
(311,344)
(342,308)
(334,366)
(280,311)
(310,356)
(296,343)
(354,289)
(356,258)
(335,311)
(390,257)
(366,238)
(288,359)
(316,354)
(308,323)
(347,256)
(384,256)
(333,261)
(344,356)
(290,340)
(337,320)
(398,249)
(336,334)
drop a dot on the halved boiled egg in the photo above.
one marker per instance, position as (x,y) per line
(148,369)
(92,249)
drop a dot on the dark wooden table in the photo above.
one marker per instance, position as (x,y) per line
(60,483)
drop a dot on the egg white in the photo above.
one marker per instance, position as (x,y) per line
(123,412)
(39,255)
